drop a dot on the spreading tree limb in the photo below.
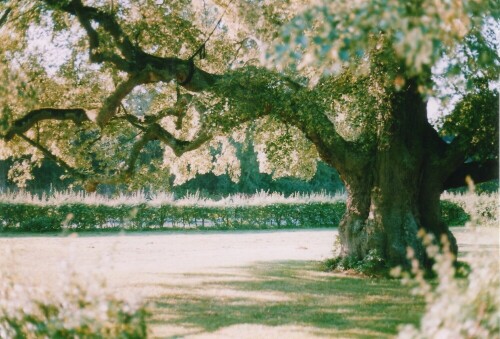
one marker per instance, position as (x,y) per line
(154,131)
(136,150)
(75,173)
(143,68)
(478,171)
(86,15)
(77,115)
(5,15)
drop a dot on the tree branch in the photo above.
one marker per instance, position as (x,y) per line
(136,150)
(184,72)
(278,95)
(107,21)
(179,146)
(478,171)
(54,158)
(155,132)
(5,15)
(113,102)
(77,115)
(134,60)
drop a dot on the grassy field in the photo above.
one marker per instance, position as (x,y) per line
(231,284)
(290,298)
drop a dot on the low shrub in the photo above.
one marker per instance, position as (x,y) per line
(482,209)
(372,264)
(453,214)
(80,308)
(74,318)
(455,307)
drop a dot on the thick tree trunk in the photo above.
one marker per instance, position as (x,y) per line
(386,208)
(395,192)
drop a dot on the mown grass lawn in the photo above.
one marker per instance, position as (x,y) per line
(287,296)
(246,284)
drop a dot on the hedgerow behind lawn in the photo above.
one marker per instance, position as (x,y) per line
(262,211)
(81,217)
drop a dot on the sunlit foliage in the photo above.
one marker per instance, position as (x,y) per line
(371,47)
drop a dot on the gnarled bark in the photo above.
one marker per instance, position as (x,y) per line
(396,191)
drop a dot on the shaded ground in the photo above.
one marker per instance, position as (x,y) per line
(290,298)
(233,284)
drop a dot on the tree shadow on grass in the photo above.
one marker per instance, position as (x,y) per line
(288,294)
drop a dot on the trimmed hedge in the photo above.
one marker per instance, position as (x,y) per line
(85,217)
(453,214)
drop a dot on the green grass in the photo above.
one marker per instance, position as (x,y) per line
(298,294)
